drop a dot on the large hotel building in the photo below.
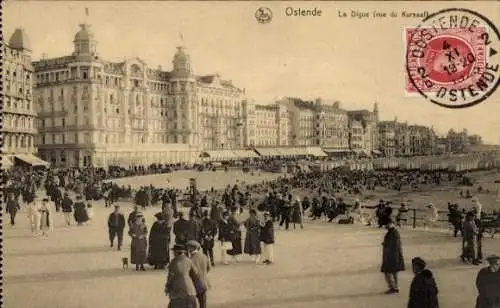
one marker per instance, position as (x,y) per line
(18,114)
(93,112)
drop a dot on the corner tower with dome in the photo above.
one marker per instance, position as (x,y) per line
(19,116)
(94,112)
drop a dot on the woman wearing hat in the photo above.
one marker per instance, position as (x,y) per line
(139,245)
(469,240)
(252,237)
(488,284)
(80,213)
(159,242)
(431,216)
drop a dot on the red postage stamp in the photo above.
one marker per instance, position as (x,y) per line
(455,58)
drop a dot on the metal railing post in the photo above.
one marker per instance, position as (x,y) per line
(414,218)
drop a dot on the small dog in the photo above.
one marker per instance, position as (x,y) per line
(125,263)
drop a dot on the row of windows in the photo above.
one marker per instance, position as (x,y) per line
(65,138)
(62,122)
(14,88)
(15,121)
(17,74)
(13,102)
(18,141)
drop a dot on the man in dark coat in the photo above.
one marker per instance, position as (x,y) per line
(57,197)
(12,207)
(488,284)
(182,279)
(423,289)
(116,224)
(208,233)
(392,258)
(194,228)
(67,208)
(181,229)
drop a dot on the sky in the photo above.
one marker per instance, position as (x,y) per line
(351,60)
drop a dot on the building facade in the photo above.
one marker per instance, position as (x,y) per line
(387,137)
(266,125)
(331,125)
(95,112)
(302,122)
(423,140)
(363,130)
(19,116)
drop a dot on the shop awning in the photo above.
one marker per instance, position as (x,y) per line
(268,151)
(316,152)
(245,154)
(332,150)
(220,155)
(286,152)
(32,160)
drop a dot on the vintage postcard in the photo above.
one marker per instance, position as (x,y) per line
(247,154)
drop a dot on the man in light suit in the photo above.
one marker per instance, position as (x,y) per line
(202,265)
(181,280)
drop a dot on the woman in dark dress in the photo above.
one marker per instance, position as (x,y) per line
(159,241)
(235,231)
(139,245)
(80,213)
(252,237)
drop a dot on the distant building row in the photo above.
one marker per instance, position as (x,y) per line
(81,110)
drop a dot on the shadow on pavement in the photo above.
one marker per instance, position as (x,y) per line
(72,250)
(79,275)
(452,263)
(306,299)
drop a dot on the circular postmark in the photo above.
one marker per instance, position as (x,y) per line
(453,58)
(264,15)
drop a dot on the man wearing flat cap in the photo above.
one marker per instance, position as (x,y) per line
(488,284)
(423,289)
(202,265)
(181,279)
(116,224)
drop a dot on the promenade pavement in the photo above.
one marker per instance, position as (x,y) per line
(323,265)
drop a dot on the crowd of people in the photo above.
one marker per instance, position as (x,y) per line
(214,219)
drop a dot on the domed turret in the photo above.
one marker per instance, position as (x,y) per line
(19,40)
(182,63)
(84,41)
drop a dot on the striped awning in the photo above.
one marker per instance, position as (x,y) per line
(32,160)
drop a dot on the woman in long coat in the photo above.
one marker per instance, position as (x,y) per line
(392,257)
(234,225)
(469,240)
(139,246)
(252,237)
(159,241)
(80,213)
